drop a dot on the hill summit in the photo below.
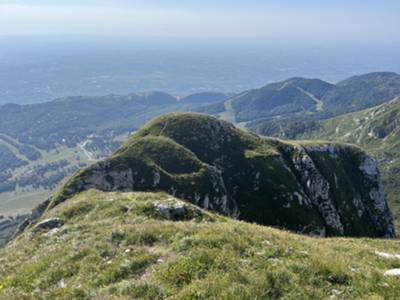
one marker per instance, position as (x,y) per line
(317,188)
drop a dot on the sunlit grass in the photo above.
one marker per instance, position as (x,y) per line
(111,247)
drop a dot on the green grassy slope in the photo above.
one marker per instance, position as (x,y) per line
(116,246)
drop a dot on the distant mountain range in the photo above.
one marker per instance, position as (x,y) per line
(310,98)
(43,144)
(69,120)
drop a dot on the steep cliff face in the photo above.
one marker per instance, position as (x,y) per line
(311,187)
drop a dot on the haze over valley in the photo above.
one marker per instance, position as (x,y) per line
(34,70)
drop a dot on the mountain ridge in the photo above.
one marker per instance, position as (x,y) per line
(296,96)
(222,168)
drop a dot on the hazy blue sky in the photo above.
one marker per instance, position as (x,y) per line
(336,21)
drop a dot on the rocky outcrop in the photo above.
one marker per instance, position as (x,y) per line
(177,211)
(393,272)
(48,224)
(317,188)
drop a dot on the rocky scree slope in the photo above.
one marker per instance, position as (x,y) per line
(310,187)
(113,245)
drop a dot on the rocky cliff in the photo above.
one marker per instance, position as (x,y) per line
(317,188)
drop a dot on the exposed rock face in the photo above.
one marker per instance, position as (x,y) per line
(49,224)
(393,272)
(177,211)
(373,180)
(315,188)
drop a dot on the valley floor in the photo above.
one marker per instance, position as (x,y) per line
(24,199)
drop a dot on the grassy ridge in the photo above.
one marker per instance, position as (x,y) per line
(113,246)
